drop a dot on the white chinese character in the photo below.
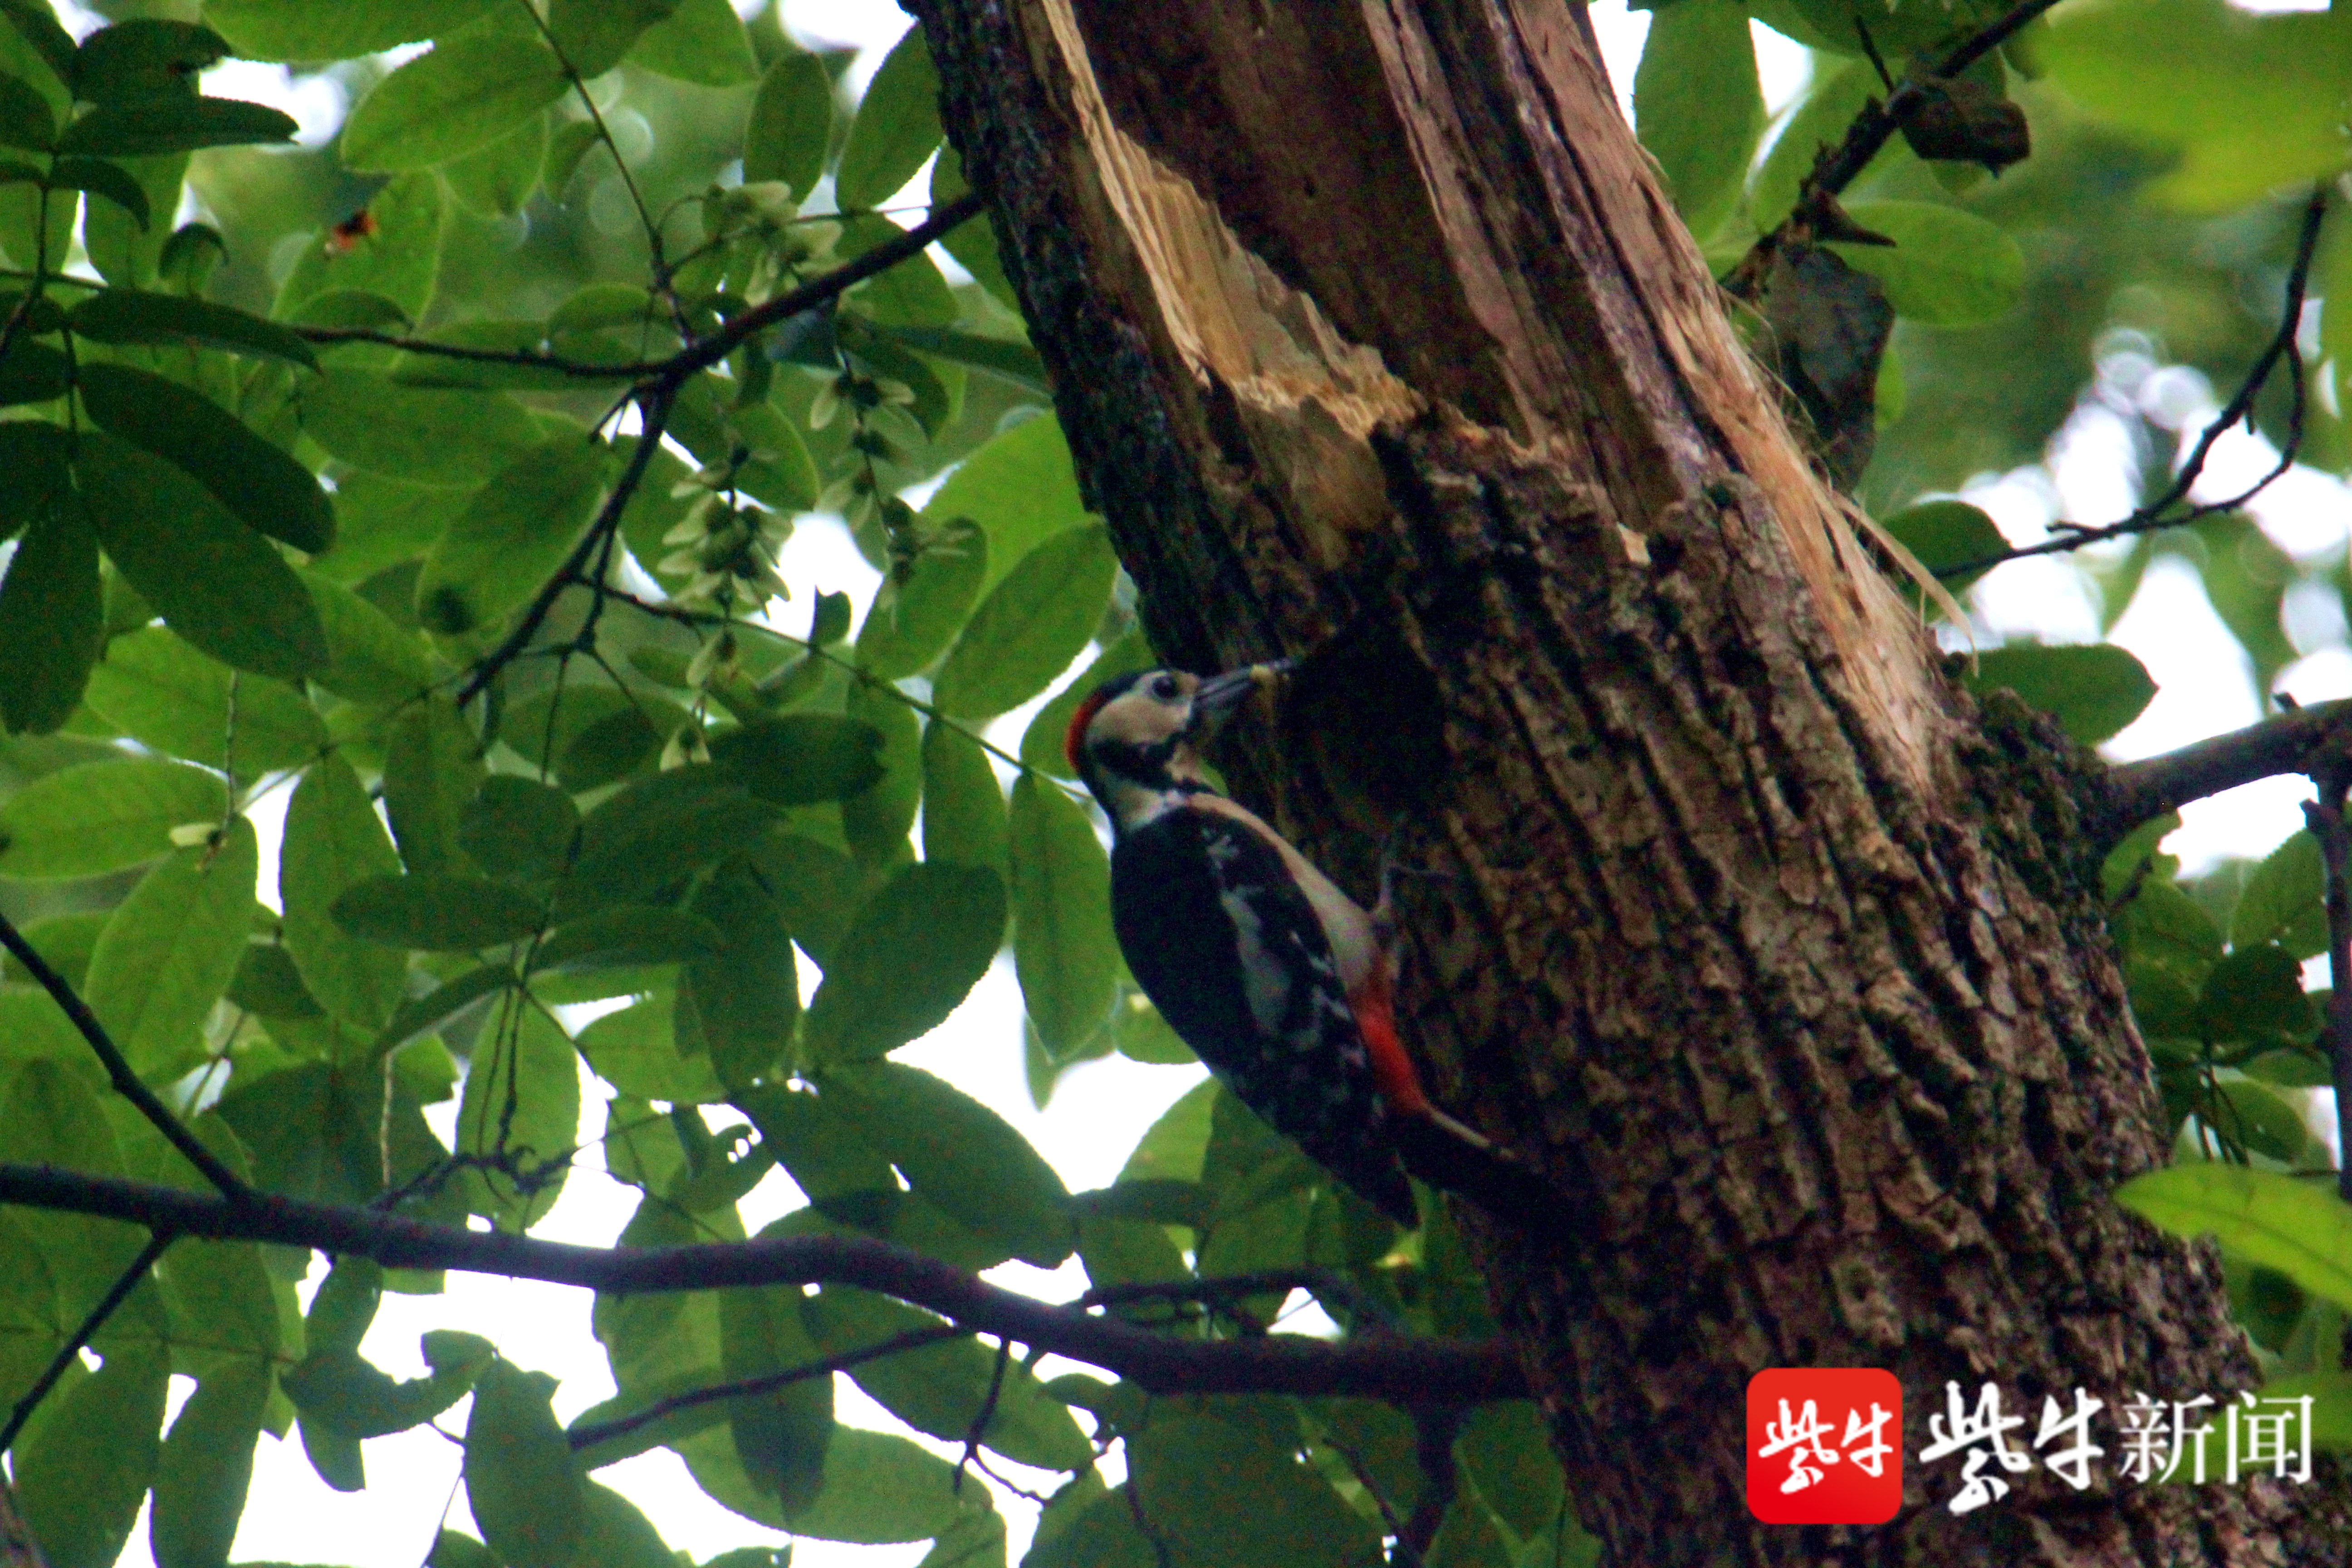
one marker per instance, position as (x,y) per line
(1802,1437)
(1871,1458)
(2071,1464)
(2149,1437)
(2266,1437)
(1982,1434)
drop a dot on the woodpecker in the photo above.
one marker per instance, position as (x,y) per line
(1276,978)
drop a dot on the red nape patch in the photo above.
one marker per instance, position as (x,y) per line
(1074,740)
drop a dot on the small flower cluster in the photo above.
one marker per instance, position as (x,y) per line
(725,550)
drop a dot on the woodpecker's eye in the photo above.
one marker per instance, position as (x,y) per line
(1165,688)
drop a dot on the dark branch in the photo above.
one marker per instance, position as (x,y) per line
(654,408)
(2287,743)
(2158,514)
(1326,1286)
(1864,139)
(584,1438)
(2325,817)
(117,1071)
(704,352)
(118,1293)
(1416,1370)
(1433,1432)
(529,359)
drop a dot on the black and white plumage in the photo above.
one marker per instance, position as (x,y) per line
(1275,977)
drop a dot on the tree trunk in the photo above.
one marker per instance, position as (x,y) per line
(1377,340)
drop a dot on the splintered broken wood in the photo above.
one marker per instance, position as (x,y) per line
(1314,227)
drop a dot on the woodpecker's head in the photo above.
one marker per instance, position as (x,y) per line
(1135,741)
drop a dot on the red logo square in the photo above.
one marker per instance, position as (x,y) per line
(1824,1445)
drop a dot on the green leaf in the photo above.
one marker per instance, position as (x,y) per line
(876,821)
(1948,534)
(432,771)
(168,951)
(912,620)
(33,373)
(167,696)
(2302,1230)
(38,458)
(791,124)
(1697,104)
(912,293)
(627,934)
(961,1156)
(421,1016)
(592,35)
(1223,1492)
(943,1388)
(25,117)
(1946,268)
(83,1469)
(878,1488)
(659,831)
(636,1051)
(215,581)
(2253,103)
(343,1396)
(334,841)
(1063,945)
(780,1437)
(1506,1453)
(744,997)
(514,533)
(528,1069)
(2284,900)
(51,611)
(897,128)
(130,316)
(143,57)
(2256,993)
(1143,1036)
(964,806)
(617,1535)
(800,759)
(372,660)
(915,951)
(437,913)
(304,30)
(467,93)
(518,828)
(2094,690)
(268,986)
(1030,627)
(101,178)
(38,25)
(152,127)
(1834,97)
(702,42)
(207,1466)
(520,1481)
(417,435)
(102,817)
(398,260)
(495,179)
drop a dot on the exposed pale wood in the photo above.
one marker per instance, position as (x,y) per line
(1376,342)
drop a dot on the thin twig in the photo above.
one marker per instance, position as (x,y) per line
(1871,130)
(2157,515)
(1434,1428)
(1411,1551)
(596,1432)
(2326,818)
(118,1070)
(1404,1368)
(70,1352)
(984,1414)
(654,417)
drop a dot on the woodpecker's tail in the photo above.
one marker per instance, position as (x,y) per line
(1457,1159)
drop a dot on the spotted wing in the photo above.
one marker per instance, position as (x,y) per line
(1229,950)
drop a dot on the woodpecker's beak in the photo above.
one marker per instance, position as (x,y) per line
(1220,692)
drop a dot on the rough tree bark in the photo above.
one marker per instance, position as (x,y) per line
(1376,340)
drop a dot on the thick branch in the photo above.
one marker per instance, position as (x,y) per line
(2325,817)
(2286,743)
(118,1070)
(1415,1371)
